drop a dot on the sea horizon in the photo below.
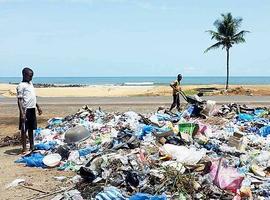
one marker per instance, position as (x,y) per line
(143,80)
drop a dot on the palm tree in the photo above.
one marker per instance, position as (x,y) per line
(227,35)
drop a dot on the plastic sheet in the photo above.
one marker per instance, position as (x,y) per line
(144,196)
(32,160)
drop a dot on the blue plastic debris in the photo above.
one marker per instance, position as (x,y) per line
(144,196)
(110,193)
(32,160)
(265,131)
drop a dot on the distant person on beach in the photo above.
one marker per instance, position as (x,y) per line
(176,89)
(27,103)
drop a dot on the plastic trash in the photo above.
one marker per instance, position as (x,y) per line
(60,178)
(263,158)
(260,112)
(74,156)
(245,117)
(68,166)
(183,154)
(87,174)
(45,132)
(132,178)
(55,121)
(226,178)
(46,146)
(187,113)
(37,131)
(42,146)
(174,164)
(209,108)
(73,194)
(147,129)
(144,196)
(110,193)
(188,128)
(63,150)
(32,160)
(52,160)
(258,171)
(264,131)
(88,150)
(15,183)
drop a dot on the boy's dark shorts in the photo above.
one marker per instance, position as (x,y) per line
(31,120)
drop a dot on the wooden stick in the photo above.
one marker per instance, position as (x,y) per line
(49,194)
(24,186)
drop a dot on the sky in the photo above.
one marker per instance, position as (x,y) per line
(129,38)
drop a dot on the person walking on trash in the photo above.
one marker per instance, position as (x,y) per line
(176,89)
(27,104)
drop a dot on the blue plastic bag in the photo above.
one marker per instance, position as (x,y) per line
(245,117)
(110,193)
(46,146)
(144,196)
(32,160)
(88,150)
(260,112)
(163,117)
(265,131)
(147,129)
(37,131)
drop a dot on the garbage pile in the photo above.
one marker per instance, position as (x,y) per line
(161,155)
(10,140)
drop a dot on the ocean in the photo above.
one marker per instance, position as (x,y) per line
(234,80)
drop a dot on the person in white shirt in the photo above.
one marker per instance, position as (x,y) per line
(27,103)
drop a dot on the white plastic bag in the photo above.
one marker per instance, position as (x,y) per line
(183,154)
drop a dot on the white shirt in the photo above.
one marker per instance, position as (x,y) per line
(26,91)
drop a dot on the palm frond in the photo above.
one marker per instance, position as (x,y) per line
(214,46)
(240,34)
(239,40)
(215,35)
(237,22)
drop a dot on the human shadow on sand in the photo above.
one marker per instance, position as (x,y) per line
(16,151)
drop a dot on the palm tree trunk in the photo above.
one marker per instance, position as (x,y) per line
(228,57)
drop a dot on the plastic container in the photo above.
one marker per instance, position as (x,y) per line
(52,160)
(188,128)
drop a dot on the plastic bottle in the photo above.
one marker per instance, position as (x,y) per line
(188,111)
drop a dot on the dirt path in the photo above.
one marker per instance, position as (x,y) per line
(38,178)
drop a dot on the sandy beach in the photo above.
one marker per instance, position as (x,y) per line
(9,90)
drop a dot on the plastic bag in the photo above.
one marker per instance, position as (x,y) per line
(226,178)
(209,108)
(188,112)
(88,150)
(32,160)
(183,154)
(144,196)
(147,129)
(46,146)
(265,131)
(245,117)
(110,193)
